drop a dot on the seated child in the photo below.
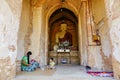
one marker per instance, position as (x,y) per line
(51,64)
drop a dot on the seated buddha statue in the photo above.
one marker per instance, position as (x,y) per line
(63,36)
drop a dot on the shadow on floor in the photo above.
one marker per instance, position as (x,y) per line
(37,72)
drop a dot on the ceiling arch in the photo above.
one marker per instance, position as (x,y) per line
(62,14)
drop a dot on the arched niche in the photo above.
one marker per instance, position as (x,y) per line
(60,16)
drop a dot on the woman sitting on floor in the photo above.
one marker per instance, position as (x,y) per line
(26,65)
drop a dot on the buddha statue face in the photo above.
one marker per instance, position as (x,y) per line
(63,27)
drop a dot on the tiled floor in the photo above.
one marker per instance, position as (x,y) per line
(63,72)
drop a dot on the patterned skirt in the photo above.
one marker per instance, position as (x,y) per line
(32,67)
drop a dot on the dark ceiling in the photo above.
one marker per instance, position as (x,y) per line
(62,14)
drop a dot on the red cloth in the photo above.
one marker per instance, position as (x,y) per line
(67,37)
(102,74)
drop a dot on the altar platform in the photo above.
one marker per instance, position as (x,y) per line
(67,57)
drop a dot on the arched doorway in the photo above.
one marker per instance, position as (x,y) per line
(58,17)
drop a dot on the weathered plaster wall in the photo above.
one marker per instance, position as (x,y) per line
(115,35)
(116,68)
(94,57)
(90,54)
(24,33)
(7,70)
(98,9)
(101,23)
(113,17)
(9,24)
(115,29)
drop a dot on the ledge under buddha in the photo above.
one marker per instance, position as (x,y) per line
(71,57)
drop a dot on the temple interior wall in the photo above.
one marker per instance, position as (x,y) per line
(10,12)
(103,54)
(25,27)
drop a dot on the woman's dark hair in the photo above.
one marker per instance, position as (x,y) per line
(28,55)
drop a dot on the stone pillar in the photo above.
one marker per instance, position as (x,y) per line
(38,38)
(36,34)
(80,38)
(44,38)
(83,36)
